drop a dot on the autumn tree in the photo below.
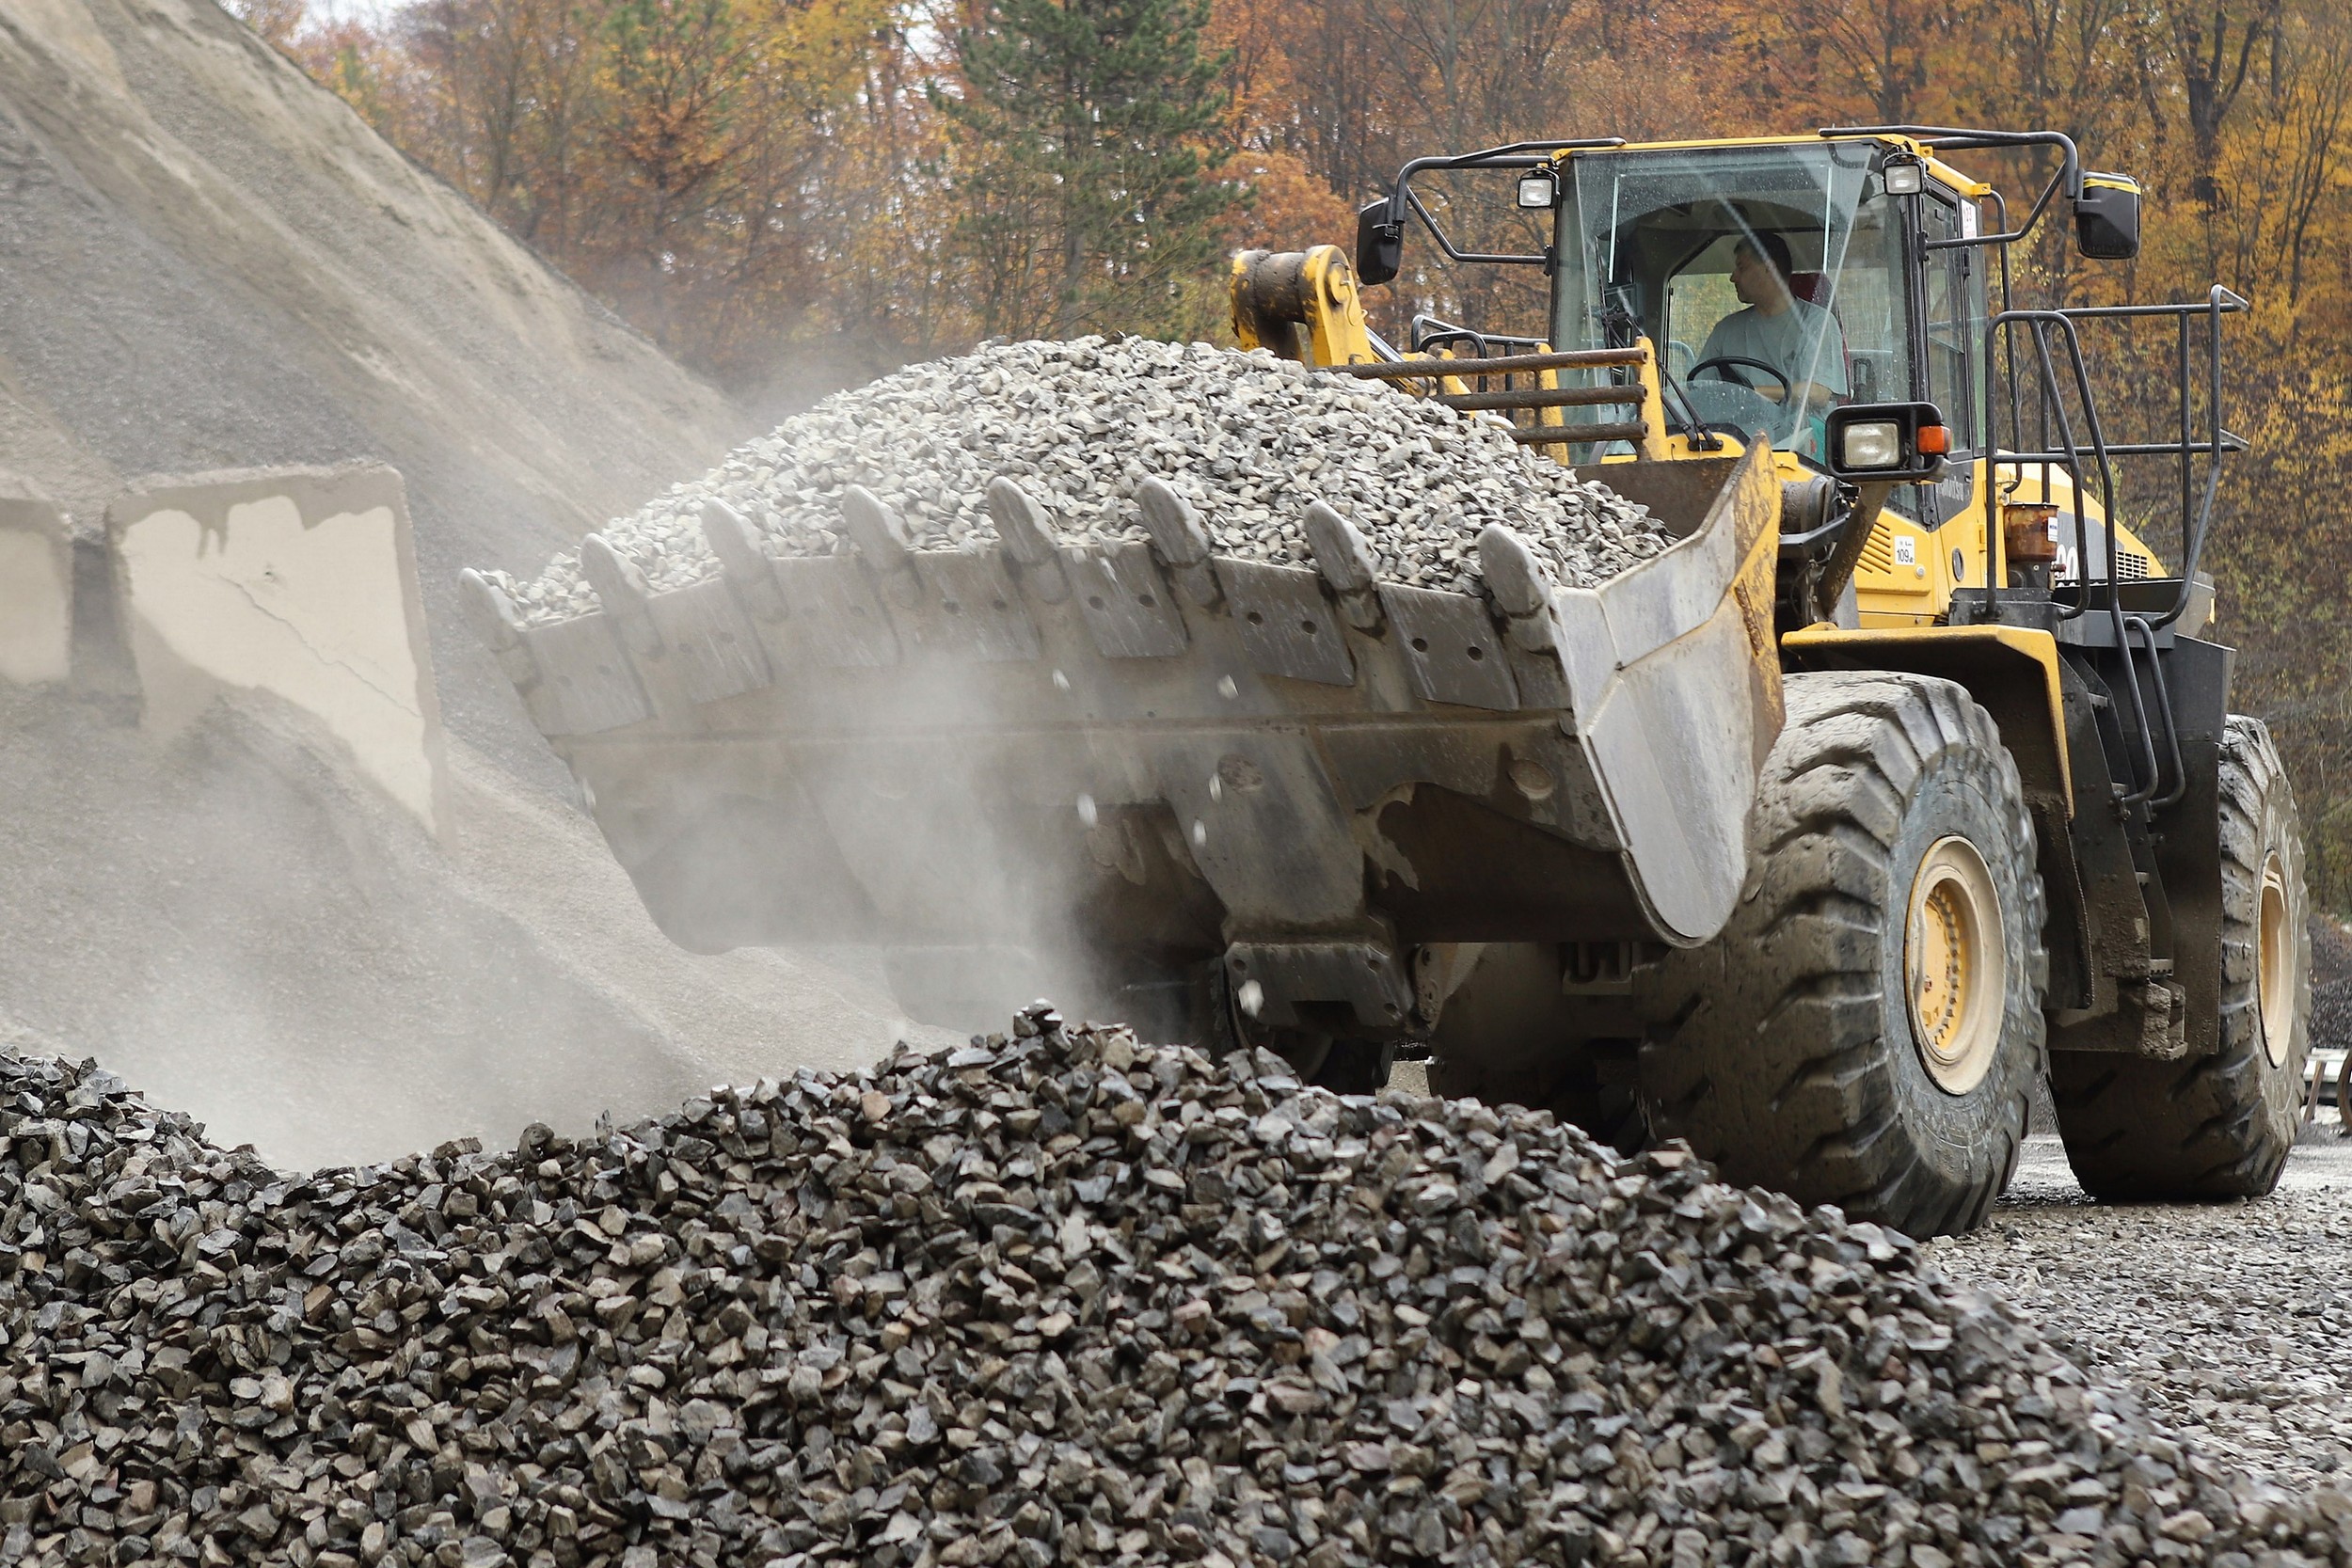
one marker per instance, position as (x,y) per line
(1086,164)
(501,94)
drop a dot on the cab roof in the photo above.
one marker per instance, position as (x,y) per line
(1952,179)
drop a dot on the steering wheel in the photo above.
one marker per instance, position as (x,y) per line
(1730,400)
(1733,362)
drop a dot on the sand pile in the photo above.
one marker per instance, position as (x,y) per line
(212,262)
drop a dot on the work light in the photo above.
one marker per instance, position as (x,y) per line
(1876,444)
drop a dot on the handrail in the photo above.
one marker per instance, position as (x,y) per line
(1963,138)
(2058,448)
(1581,358)
(2068,181)
(2041,324)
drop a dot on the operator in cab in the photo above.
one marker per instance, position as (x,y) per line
(1798,340)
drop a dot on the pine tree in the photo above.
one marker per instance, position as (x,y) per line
(1083,154)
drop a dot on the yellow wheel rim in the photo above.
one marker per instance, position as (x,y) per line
(1955,965)
(2274,981)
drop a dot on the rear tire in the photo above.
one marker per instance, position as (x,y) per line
(1356,1067)
(1509,1037)
(1868,1029)
(2217,1126)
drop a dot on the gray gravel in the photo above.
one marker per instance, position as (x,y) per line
(2331,984)
(1248,439)
(1051,1299)
(2232,1321)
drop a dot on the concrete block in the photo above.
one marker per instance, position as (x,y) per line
(300,582)
(36,587)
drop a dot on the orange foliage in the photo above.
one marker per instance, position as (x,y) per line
(1288,207)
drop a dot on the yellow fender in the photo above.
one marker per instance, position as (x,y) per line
(2012,671)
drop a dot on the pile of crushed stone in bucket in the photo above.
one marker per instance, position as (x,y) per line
(1248,439)
(1052,1298)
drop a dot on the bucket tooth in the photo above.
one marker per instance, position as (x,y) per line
(499,624)
(1521,587)
(880,537)
(490,612)
(1452,648)
(746,564)
(1345,561)
(622,591)
(1029,538)
(1183,543)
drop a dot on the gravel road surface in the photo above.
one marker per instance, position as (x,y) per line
(2232,1322)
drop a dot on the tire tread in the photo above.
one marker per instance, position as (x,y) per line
(1804,1059)
(2217,1126)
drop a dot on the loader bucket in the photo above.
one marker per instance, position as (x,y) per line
(1150,755)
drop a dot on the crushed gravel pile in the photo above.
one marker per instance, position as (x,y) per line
(1056,1298)
(1248,439)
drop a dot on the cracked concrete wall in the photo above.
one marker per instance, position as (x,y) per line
(301,582)
(35,586)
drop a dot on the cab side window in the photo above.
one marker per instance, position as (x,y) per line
(1951,323)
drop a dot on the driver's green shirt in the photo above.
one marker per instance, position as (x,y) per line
(1802,342)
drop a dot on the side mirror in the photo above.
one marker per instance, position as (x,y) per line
(2106,218)
(1379,244)
(1903,443)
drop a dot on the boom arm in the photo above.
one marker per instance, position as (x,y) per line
(1303,305)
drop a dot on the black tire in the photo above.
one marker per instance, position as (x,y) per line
(1356,1067)
(1785,1050)
(1509,1037)
(2217,1126)
(1589,1082)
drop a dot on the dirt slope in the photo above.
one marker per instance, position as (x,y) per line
(208,262)
(213,262)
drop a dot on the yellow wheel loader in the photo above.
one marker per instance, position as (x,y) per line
(1904,776)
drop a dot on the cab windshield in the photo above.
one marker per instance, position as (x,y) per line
(1770,277)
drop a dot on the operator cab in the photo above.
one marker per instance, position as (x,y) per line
(1670,243)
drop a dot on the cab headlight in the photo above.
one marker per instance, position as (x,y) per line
(1874,443)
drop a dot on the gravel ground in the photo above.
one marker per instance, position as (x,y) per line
(2232,1321)
(1248,438)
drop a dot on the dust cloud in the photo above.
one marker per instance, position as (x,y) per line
(934,805)
(238,926)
